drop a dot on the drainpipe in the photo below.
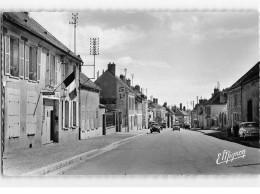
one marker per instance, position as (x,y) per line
(80,101)
(241,106)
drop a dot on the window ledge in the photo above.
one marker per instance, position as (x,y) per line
(14,137)
(65,128)
(14,77)
(30,134)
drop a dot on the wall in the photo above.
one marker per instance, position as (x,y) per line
(250,91)
(89,106)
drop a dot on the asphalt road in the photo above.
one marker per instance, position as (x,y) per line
(170,153)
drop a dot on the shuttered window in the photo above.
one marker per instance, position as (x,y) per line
(13,112)
(52,71)
(7,54)
(21,62)
(31,113)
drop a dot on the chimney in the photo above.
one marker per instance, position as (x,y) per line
(97,74)
(137,88)
(216,90)
(112,68)
(122,77)
(184,108)
(154,100)
(128,82)
(180,106)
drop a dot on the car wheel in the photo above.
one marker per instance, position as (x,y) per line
(151,131)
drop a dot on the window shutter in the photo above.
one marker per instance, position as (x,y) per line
(39,53)
(63,113)
(26,74)
(77,113)
(21,62)
(70,113)
(56,71)
(7,54)
(13,112)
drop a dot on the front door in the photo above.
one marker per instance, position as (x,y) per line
(249,110)
(47,125)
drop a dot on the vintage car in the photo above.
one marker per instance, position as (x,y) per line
(248,129)
(176,127)
(155,127)
(163,125)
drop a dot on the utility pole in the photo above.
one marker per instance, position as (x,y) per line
(75,23)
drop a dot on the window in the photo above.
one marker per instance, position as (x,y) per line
(74,113)
(14,56)
(53,70)
(67,108)
(21,54)
(32,63)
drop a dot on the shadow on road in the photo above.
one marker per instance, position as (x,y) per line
(250,142)
(223,135)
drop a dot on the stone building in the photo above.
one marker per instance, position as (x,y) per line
(121,100)
(39,107)
(215,111)
(243,98)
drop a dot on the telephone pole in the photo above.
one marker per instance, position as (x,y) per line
(75,23)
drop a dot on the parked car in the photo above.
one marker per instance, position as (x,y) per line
(248,129)
(155,127)
(176,127)
(186,126)
(150,123)
(163,125)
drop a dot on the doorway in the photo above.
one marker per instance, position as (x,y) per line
(249,110)
(48,131)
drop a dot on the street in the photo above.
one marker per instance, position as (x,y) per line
(170,153)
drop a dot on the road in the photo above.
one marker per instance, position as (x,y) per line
(170,153)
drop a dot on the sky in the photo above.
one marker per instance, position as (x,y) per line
(176,56)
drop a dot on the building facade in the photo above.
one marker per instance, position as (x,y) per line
(243,98)
(92,113)
(38,108)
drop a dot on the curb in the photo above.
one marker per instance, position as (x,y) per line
(81,157)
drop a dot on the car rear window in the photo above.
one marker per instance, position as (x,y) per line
(251,125)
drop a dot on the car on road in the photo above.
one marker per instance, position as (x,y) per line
(163,125)
(186,126)
(176,127)
(248,129)
(155,127)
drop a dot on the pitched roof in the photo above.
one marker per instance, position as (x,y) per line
(23,20)
(86,83)
(251,74)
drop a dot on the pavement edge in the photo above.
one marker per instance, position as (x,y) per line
(81,157)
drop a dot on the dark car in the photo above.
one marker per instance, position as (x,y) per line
(176,127)
(163,125)
(186,126)
(155,127)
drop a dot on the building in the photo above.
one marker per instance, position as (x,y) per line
(243,98)
(40,107)
(121,100)
(215,111)
(92,112)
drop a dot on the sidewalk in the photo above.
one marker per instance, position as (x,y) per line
(39,161)
(224,135)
